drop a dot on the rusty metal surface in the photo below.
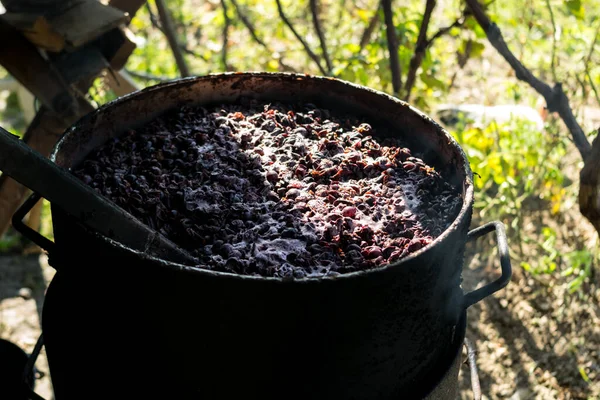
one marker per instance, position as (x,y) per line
(382,331)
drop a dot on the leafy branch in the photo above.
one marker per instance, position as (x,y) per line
(554,33)
(225,36)
(556,101)
(588,59)
(423,44)
(393,45)
(249,25)
(419,53)
(307,48)
(156,24)
(365,38)
(314,9)
(169,31)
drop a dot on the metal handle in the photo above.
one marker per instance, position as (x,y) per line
(34,236)
(491,288)
(29,368)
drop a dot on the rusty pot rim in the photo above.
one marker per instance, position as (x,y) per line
(467,201)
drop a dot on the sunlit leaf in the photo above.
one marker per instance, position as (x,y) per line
(584,375)
(477,49)
(432,81)
(576,8)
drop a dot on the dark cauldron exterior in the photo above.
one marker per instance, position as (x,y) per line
(377,334)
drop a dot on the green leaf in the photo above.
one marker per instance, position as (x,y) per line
(576,8)
(584,375)
(472,24)
(351,47)
(432,82)
(477,49)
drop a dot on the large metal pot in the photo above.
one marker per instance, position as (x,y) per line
(365,335)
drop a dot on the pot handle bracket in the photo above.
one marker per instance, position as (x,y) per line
(479,294)
(19,225)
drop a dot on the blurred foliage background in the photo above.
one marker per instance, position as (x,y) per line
(525,176)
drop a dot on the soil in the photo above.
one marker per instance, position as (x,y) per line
(533,338)
(23,282)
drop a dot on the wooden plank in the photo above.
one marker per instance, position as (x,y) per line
(116,46)
(37,30)
(129,6)
(41,136)
(23,61)
(87,21)
(120,82)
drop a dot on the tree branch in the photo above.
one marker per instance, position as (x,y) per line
(555,97)
(589,187)
(587,64)
(366,36)
(225,36)
(310,53)
(314,9)
(169,31)
(419,53)
(392,40)
(553,61)
(147,77)
(458,23)
(182,46)
(248,24)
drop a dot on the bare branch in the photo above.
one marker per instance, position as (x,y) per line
(366,36)
(392,40)
(310,53)
(285,67)
(225,36)
(340,17)
(169,31)
(193,53)
(462,58)
(314,9)
(589,77)
(456,24)
(419,53)
(555,97)
(147,77)
(553,61)
(587,64)
(591,52)
(155,23)
(248,24)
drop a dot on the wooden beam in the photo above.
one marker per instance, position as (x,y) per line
(116,46)
(41,136)
(36,29)
(23,61)
(120,82)
(129,6)
(87,21)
